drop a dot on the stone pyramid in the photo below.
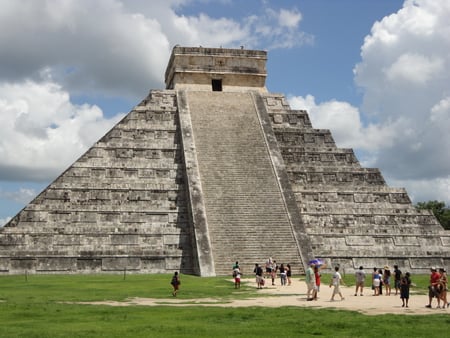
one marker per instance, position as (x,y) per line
(215,169)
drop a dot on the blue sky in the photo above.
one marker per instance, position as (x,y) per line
(375,72)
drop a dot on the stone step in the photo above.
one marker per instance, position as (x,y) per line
(243,201)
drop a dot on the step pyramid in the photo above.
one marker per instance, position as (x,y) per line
(212,170)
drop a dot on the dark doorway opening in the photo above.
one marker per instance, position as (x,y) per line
(216,85)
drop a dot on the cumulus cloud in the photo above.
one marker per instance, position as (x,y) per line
(42,131)
(405,82)
(402,124)
(63,48)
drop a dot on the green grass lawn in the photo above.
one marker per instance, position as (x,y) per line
(39,306)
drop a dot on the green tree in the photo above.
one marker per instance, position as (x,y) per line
(439,209)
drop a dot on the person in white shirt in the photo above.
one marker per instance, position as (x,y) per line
(360,276)
(336,281)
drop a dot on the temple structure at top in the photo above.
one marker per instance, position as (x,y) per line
(212,170)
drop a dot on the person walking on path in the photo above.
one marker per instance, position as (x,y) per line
(310,281)
(336,281)
(433,288)
(360,276)
(443,285)
(405,283)
(317,276)
(259,276)
(175,283)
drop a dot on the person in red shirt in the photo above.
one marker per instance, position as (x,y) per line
(433,288)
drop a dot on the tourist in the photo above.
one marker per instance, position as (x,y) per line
(237,277)
(380,273)
(283,274)
(360,276)
(269,264)
(376,282)
(405,283)
(443,284)
(273,271)
(288,273)
(236,265)
(433,288)
(310,281)
(397,278)
(317,276)
(259,276)
(336,281)
(387,280)
(175,283)
(374,273)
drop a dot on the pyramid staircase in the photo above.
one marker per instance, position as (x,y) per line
(246,213)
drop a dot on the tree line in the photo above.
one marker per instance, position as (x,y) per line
(439,209)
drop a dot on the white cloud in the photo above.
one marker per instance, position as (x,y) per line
(402,125)
(344,122)
(417,69)
(289,18)
(406,84)
(42,131)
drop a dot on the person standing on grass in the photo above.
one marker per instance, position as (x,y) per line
(360,276)
(175,283)
(397,278)
(336,281)
(405,283)
(237,277)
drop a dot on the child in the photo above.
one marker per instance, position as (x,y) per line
(405,283)
(237,278)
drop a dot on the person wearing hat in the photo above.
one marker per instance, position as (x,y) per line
(443,283)
(433,288)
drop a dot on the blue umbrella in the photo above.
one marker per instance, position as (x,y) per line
(316,261)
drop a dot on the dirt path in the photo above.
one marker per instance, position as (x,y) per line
(295,295)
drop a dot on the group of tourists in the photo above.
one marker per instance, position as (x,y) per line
(438,287)
(272,269)
(381,279)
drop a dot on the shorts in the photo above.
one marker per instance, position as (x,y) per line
(376,283)
(433,291)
